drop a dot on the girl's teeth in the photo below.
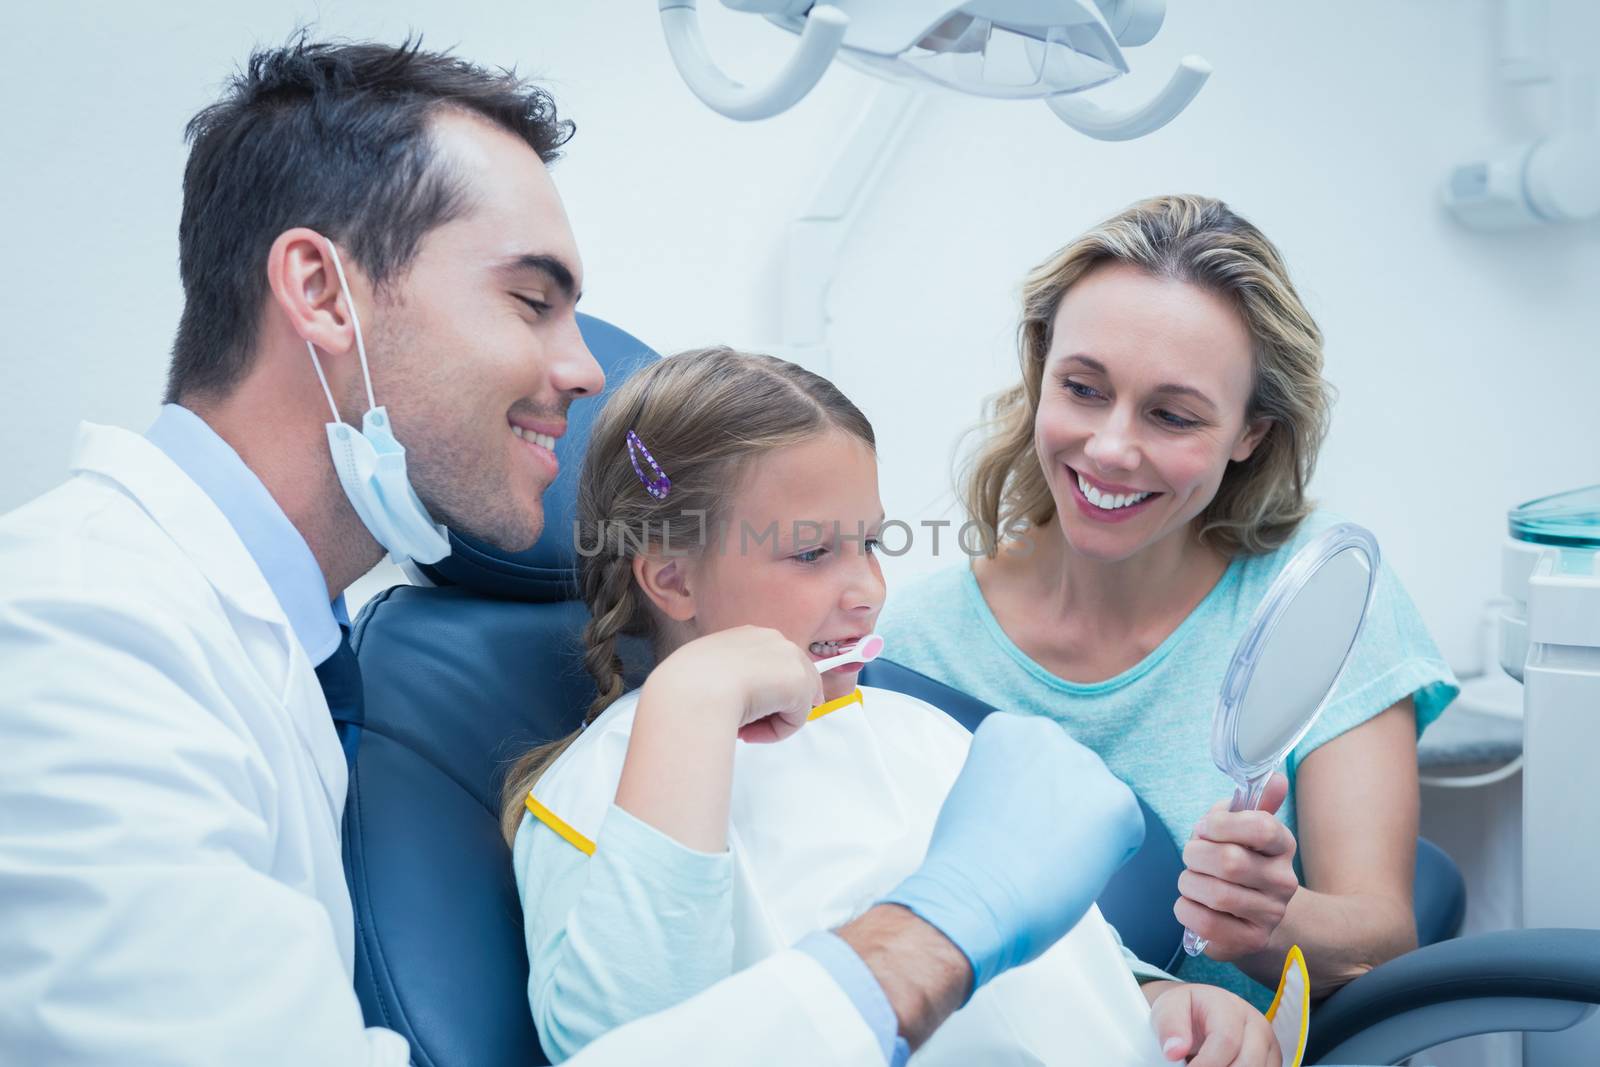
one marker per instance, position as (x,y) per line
(1108,501)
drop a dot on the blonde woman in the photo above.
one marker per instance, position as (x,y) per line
(1146,480)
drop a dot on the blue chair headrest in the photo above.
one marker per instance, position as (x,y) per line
(548,572)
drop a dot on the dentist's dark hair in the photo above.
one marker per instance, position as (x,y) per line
(333,136)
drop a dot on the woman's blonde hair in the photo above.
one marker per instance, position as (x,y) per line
(704,415)
(1200,241)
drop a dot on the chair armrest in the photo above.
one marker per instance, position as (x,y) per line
(1522,979)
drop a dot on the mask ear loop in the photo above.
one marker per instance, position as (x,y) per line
(317,366)
(355,320)
(361,347)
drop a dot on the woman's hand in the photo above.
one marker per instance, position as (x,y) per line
(1240,876)
(767,682)
(1207,1026)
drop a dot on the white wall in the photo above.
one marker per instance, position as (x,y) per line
(1467,364)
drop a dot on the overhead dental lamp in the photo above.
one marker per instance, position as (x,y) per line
(1012,49)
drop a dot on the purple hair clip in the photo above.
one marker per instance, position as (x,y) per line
(660,485)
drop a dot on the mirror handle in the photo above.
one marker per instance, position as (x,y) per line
(1246,797)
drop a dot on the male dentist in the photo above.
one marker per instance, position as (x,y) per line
(372,252)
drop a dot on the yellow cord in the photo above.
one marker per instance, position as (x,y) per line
(584,845)
(853,697)
(556,823)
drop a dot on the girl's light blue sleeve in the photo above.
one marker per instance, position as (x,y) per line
(641,925)
(1142,972)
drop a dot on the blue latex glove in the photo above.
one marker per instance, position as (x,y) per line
(1033,828)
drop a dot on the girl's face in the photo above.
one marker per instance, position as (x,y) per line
(1141,408)
(798,553)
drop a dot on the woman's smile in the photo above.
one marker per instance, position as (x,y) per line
(1104,502)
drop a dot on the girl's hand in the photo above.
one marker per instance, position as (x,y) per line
(769,681)
(678,773)
(1240,876)
(1207,1026)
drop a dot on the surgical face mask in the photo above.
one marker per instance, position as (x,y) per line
(372,466)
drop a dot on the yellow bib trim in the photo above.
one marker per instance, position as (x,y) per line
(1296,982)
(584,845)
(559,825)
(853,697)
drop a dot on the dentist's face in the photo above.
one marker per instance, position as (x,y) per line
(1141,408)
(476,350)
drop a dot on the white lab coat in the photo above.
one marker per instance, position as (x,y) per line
(171,787)
(784,1012)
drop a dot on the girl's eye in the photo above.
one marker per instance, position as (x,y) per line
(1176,422)
(873,544)
(539,307)
(810,555)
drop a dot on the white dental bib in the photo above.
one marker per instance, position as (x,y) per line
(825,822)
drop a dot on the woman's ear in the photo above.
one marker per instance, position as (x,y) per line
(665,581)
(1250,439)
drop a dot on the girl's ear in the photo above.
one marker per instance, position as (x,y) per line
(665,581)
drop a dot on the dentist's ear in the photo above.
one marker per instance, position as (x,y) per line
(1250,439)
(665,581)
(305,287)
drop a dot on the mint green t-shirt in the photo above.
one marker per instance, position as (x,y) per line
(1152,723)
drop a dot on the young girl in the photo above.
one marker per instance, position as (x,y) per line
(728,513)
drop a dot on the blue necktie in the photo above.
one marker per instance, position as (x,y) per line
(340,676)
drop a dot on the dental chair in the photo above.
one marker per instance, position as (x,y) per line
(465,675)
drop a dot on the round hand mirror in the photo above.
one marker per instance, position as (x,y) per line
(1289,660)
